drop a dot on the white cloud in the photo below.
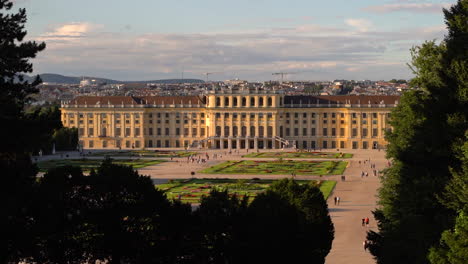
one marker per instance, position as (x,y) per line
(70,30)
(362,25)
(317,51)
(408,7)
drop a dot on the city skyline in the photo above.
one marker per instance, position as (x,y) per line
(244,39)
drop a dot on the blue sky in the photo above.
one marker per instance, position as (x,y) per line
(246,39)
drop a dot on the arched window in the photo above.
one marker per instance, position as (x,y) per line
(218,131)
(226,101)
(261,131)
(270,101)
(244,101)
(226,131)
(281,131)
(252,131)
(244,131)
(234,131)
(252,101)
(260,101)
(234,102)
(269,131)
(218,101)
(281,101)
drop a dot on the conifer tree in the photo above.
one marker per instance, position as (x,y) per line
(17,171)
(428,129)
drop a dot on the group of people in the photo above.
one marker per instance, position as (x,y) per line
(365,221)
(337,200)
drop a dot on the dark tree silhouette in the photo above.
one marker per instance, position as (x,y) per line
(17,172)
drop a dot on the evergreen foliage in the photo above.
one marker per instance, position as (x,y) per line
(425,147)
(17,171)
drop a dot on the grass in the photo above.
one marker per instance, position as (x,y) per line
(303,155)
(283,167)
(89,164)
(191,191)
(144,153)
(327,187)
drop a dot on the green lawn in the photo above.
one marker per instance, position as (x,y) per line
(301,155)
(144,153)
(88,164)
(283,167)
(190,191)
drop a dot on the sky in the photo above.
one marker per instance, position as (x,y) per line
(245,39)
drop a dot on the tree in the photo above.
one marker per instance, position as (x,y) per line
(20,138)
(453,247)
(46,122)
(289,223)
(66,138)
(221,223)
(125,209)
(313,89)
(60,233)
(429,127)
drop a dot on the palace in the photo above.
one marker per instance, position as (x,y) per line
(230,119)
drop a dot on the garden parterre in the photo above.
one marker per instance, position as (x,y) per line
(89,164)
(281,167)
(191,190)
(300,155)
(145,153)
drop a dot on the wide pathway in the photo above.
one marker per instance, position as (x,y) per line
(358,200)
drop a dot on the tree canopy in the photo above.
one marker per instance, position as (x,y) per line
(429,128)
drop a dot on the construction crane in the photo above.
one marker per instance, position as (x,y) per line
(283,74)
(208,74)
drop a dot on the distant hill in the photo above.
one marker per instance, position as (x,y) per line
(57,78)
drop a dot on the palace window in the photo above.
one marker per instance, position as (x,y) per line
(252,131)
(375,132)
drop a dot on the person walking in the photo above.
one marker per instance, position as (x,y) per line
(335,200)
(338,200)
(363,222)
(367,221)
(365,244)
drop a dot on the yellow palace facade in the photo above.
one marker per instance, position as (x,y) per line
(232,119)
